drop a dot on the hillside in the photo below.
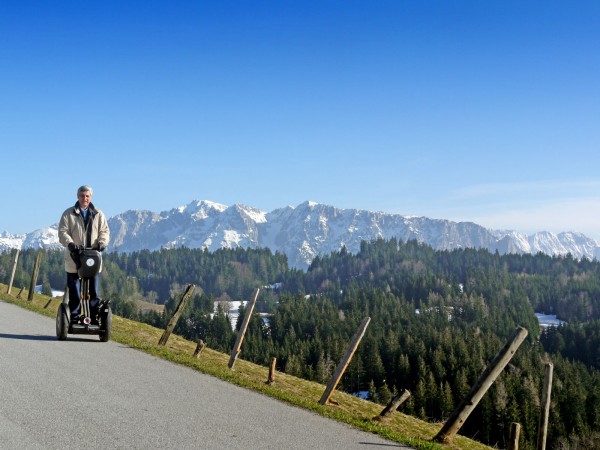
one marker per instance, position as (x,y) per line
(296,391)
(437,316)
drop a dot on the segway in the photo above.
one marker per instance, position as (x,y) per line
(96,315)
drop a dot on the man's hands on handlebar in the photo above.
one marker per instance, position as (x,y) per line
(73,247)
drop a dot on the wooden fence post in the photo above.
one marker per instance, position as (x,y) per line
(12,275)
(240,337)
(513,440)
(20,294)
(48,304)
(341,368)
(545,408)
(394,404)
(34,276)
(485,381)
(271,377)
(201,346)
(171,325)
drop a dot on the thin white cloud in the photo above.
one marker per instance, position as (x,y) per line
(550,205)
(580,215)
(559,188)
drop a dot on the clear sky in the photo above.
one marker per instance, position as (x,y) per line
(484,111)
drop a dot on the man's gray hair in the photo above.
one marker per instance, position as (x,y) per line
(85,188)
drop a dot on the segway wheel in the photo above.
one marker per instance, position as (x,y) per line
(62,323)
(106,325)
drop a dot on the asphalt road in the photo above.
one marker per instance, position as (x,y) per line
(82,393)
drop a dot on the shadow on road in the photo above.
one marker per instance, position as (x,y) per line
(32,337)
(383,445)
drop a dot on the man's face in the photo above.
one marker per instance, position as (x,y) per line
(84,199)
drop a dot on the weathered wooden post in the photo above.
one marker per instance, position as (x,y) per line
(48,303)
(513,439)
(271,377)
(341,368)
(14,269)
(545,408)
(34,276)
(201,346)
(485,381)
(20,294)
(394,404)
(241,334)
(171,325)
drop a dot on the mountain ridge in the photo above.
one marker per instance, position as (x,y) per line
(304,231)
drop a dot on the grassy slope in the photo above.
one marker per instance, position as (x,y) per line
(296,391)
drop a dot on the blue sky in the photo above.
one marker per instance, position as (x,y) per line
(484,111)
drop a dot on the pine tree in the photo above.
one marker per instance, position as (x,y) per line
(384,395)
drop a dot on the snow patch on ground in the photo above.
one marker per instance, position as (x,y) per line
(548,320)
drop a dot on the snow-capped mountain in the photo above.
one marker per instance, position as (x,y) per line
(305,231)
(201,224)
(8,241)
(44,238)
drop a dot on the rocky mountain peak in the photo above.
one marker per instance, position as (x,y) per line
(305,231)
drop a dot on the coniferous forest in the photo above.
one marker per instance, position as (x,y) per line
(437,320)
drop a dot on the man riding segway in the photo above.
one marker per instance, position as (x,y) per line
(84,231)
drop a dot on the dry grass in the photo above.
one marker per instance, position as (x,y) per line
(296,391)
(147,306)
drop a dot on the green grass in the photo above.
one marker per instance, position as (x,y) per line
(295,391)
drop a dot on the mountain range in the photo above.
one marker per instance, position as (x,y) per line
(303,232)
